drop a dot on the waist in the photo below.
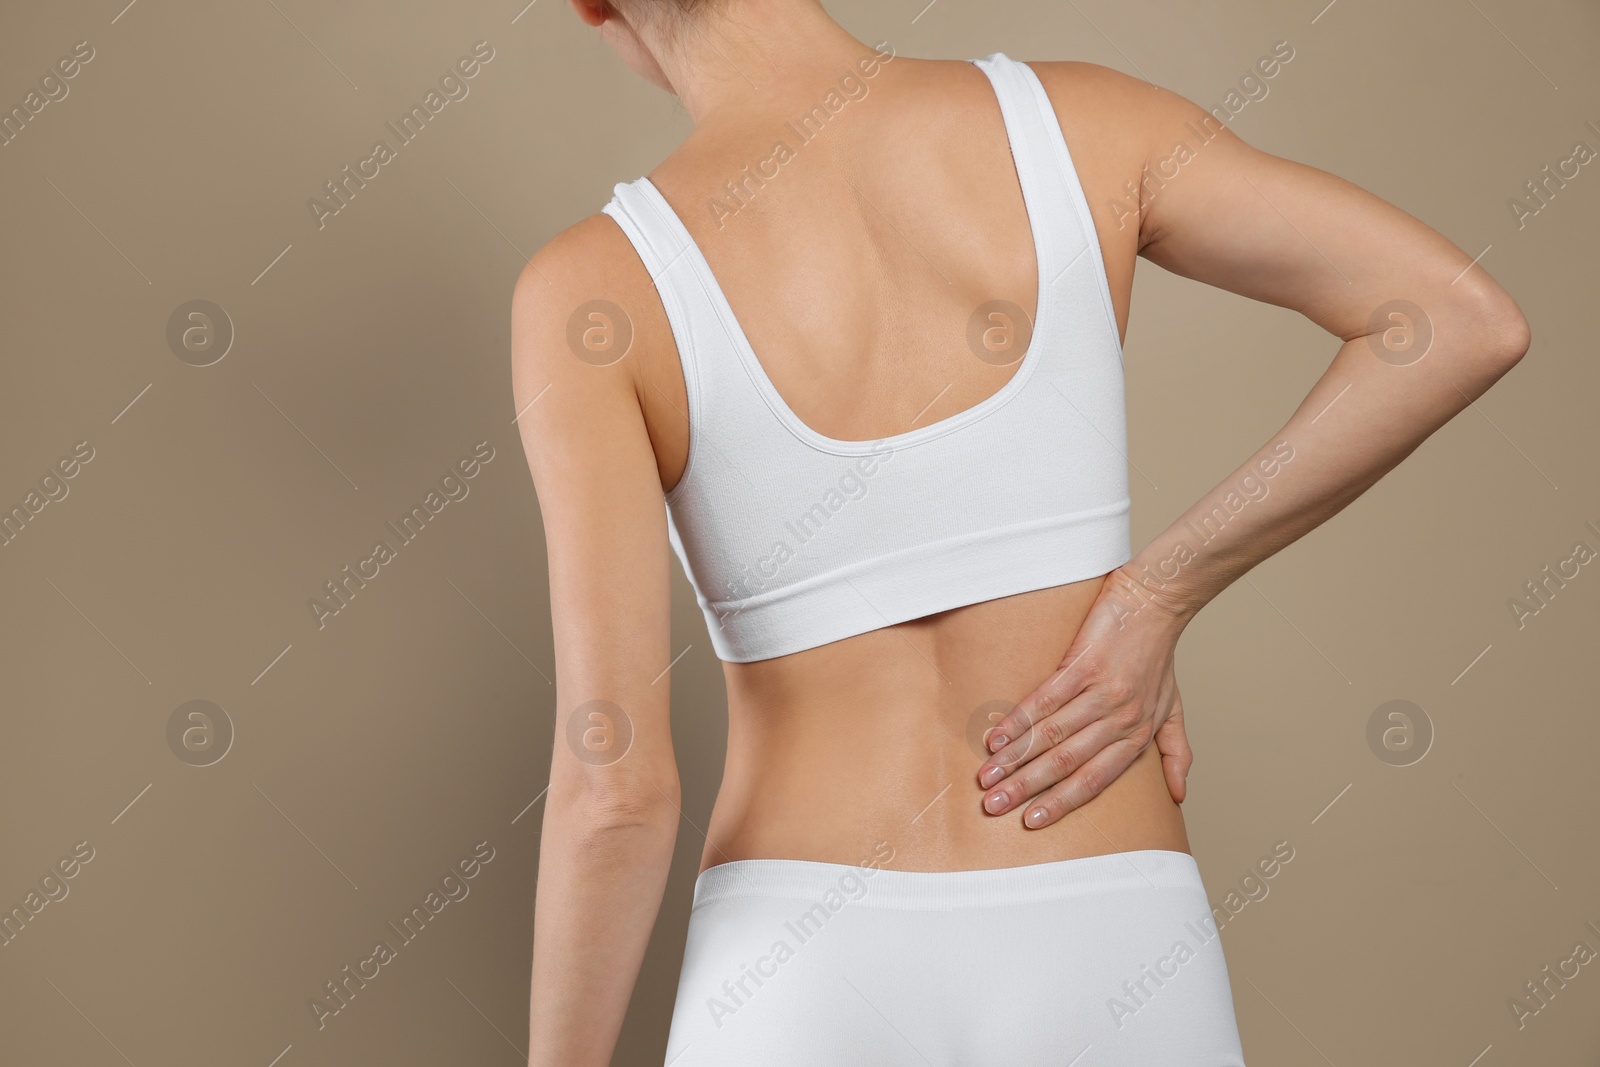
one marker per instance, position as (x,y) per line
(875,742)
(863,810)
(941,890)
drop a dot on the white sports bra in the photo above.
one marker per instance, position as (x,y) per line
(792,539)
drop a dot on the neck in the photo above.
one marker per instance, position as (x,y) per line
(751,56)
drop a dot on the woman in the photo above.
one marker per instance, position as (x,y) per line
(863,330)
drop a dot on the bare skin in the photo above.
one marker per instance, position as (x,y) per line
(854,273)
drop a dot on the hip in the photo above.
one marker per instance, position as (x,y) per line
(1113,958)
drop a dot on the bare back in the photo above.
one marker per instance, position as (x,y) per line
(854,271)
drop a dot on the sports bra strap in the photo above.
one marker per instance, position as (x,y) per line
(661,243)
(1031,125)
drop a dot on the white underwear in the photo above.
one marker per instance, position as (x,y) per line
(1105,961)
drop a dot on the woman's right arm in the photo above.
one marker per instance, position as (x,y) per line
(611,812)
(1423,331)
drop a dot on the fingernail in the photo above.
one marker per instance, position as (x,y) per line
(991,776)
(997,742)
(1036,817)
(995,803)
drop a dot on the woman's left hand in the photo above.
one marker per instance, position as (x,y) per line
(1078,731)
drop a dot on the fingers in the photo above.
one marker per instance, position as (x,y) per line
(1176,771)
(1176,785)
(1052,764)
(1048,732)
(1176,756)
(1083,785)
(1039,737)
(1057,745)
(1052,693)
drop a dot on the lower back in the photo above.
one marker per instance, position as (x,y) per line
(867,749)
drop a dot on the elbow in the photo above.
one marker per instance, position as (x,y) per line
(1507,334)
(1488,335)
(597,802)
(624,822)
(1500,332)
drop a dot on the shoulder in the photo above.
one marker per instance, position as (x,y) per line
(583,301)
(1093,89)
(1079,76)
(1108,117)
(592,261)
(1114,107)
(572,310)
(1129,134)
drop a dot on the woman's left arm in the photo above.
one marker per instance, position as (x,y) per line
(1424,329)
(611,807)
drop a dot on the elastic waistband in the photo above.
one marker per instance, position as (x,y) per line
(813,880)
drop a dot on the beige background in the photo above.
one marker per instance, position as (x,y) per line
(372,354)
